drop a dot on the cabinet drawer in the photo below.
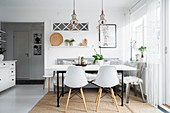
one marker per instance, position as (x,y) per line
(12,80)
(3,65)
(12,72)
(12,65)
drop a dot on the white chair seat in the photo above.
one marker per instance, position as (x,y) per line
(91,77)
(131,79)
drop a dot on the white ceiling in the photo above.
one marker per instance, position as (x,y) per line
(67,4)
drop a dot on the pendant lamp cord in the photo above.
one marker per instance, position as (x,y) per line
(73,4)
(102,4)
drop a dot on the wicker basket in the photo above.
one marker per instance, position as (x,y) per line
(56,39)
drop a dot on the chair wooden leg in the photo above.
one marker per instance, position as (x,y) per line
(97,95)
(48,84)
(68,99)
(44,82)
(114,99)
(100,93)
(82,94)
(140,85)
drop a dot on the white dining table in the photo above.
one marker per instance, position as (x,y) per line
(88,69)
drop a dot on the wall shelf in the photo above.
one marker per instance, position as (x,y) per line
(69,47)
(2,41)
(2,31)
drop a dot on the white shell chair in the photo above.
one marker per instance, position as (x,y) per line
(75,78)
(107,78)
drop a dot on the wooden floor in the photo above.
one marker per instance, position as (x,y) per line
(48,104)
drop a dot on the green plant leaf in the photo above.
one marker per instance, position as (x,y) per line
(67,40)
(72,40)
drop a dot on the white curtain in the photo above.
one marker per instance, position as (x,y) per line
(153,51)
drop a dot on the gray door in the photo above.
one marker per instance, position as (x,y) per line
(21,54)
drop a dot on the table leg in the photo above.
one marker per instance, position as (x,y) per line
(62,84)
(48,84)
(58,90)
(122,89)
(54,85)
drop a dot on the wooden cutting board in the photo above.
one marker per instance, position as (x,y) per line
(56,39)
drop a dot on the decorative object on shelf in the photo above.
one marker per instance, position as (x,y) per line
(102,21)
(2,50)
(132,46)
(107,38)
(81,44)
(56,39)
(69,42)
(74,25)
(137,57)
(37,43)
(2,31)
(84,43)
(84,26)
(72,42)
(98,58)
(142,49)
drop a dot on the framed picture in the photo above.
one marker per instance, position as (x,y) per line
(37,38)
(37,49)
(107,36)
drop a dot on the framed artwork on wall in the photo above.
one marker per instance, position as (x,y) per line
(107,36)
(37,38)
(37,44)
(37,49)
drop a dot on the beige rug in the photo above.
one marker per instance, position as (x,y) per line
(48,104)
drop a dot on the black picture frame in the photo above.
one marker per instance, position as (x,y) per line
(112,30)
(37,38)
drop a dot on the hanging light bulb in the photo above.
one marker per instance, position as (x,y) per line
(74,25)
(102,21)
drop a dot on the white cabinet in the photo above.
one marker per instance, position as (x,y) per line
(7,75)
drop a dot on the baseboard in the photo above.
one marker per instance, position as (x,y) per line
(29,82)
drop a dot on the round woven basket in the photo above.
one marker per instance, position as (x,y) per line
(56,39)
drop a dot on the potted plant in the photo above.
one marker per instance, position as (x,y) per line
(142,49)
(98,58)
(82,61)
(67,42)
(71,42)
(2,50)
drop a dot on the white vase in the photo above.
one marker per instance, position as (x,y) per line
(1,57)
(100,62)
(66,44)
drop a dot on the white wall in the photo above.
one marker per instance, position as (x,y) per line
(55,10)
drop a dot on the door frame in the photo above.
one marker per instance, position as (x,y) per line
(163,82)
(32,21)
